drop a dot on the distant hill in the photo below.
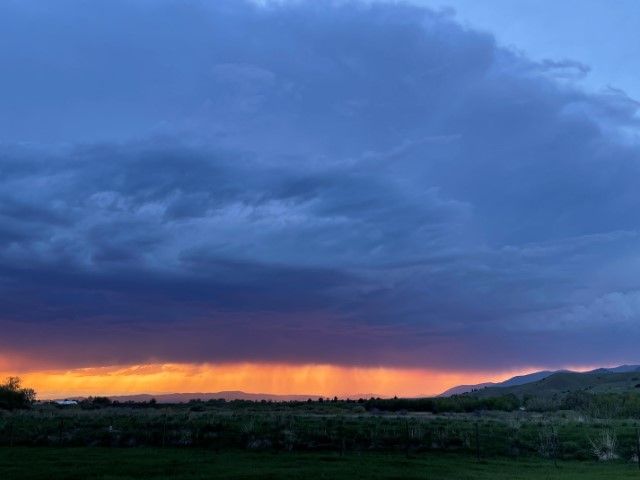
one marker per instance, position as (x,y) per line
(228,396)
(602,381)
(620,369)
(460,389)
(512,382)
(530,378)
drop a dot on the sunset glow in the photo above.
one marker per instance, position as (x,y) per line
(316,380)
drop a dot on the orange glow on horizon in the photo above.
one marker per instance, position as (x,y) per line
(280,379)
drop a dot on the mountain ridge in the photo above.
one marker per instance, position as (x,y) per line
(559,383)
(532,378)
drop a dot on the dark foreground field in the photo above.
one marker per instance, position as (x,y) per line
(383,439)
(47,463)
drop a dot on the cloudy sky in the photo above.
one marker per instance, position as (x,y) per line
(316,197)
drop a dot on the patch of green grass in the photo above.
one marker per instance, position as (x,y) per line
(46,463)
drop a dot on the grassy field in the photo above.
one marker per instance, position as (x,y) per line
(47,463)
(305,440)
(565,435)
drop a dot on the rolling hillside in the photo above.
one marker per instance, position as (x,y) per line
(533,377)
(512,382)
(563,382)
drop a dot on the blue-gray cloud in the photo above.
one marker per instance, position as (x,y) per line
(310,182)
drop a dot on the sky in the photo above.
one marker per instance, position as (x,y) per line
(327,198)
(601,35)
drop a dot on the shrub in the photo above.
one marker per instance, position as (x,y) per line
(604,446)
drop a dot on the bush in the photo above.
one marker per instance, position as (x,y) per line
(604,446)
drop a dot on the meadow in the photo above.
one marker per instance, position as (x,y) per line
(310,440)
(49,463)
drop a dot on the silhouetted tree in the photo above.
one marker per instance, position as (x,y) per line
(13,395)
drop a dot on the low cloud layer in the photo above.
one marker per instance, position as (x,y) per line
(307,183)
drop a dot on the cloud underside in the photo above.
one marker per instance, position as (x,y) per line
(336,183)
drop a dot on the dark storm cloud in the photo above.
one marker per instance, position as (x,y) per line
(307,182)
